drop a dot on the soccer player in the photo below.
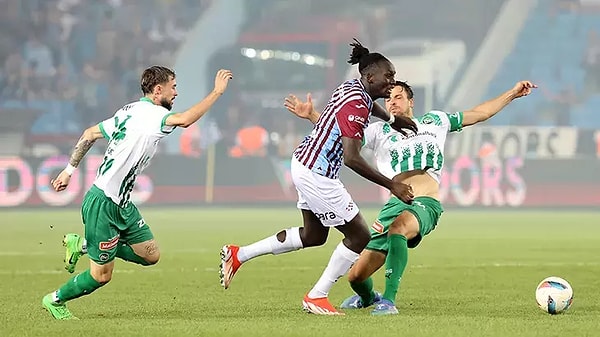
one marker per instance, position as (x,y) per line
(113,225)
(322,198)
(416,160)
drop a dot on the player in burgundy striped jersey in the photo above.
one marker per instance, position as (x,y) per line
(322,198)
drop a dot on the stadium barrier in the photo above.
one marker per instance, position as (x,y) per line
(468,180)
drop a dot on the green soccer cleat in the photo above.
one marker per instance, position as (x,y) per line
(74,250)
(58,310)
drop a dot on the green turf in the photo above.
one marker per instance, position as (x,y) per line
(473,276)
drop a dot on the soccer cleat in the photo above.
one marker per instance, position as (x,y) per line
(355,302)
(229,264)
(319,306)
(384,307)
(73,244)
(58,310)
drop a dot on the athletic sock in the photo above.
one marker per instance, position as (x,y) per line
(272,245)
(395,263)
(365,290)
(79,285)
(339,264)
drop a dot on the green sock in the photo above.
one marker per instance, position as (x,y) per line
(365,290)
(79,285)
(395,263)
(125,252)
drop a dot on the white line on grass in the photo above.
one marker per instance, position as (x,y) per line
(38,253)
(305,268)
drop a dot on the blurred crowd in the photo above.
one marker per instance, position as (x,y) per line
(73,61)
(70,63)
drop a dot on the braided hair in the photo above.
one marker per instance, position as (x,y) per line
(360,55)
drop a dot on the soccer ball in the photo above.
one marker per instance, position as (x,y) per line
(554,295)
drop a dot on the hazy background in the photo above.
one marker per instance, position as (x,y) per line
(68,64)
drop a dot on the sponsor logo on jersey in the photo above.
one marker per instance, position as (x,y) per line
(358,119)
(108,245)
(326,216)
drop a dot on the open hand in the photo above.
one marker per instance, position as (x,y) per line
(299,108)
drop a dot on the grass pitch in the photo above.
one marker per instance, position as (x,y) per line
(475,275)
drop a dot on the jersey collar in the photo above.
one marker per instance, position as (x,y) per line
(146,99)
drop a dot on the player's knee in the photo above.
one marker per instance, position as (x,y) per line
(406,224)
(152,259)
(148,251)
(357,240)
(312,238)
(101,275)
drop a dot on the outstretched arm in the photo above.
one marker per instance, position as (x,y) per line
(193,114)
(487,110)
(84,144)
(306,110)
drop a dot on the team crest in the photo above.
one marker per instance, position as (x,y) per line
(431,119)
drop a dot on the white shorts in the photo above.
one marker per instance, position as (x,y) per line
(325,197)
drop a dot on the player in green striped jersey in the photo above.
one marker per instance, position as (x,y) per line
(416,160)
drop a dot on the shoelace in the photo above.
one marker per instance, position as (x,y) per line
(63,311)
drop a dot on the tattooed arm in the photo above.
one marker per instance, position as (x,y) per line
(84,144)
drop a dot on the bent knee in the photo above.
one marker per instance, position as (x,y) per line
(102,276)
(405,224)
(313,239)
(356,276)
(152,259)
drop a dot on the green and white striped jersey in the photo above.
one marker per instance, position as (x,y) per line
(133,134)
(395,153)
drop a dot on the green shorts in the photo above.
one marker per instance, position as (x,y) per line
(107,225)
(427,211)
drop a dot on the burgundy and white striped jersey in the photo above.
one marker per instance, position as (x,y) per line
(346,115)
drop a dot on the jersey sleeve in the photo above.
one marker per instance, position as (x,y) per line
(352,119)
(456,121)
(107,127)
(164,128)
(452,121)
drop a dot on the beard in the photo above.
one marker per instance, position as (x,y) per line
(165,103)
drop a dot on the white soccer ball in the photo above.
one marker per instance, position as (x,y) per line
(554,295)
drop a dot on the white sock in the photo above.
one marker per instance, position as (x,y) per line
(271,245)
(55,297)
(84,246)
(339,264)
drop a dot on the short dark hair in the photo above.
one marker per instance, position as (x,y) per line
(363,57)
(154,76)
(407,88)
